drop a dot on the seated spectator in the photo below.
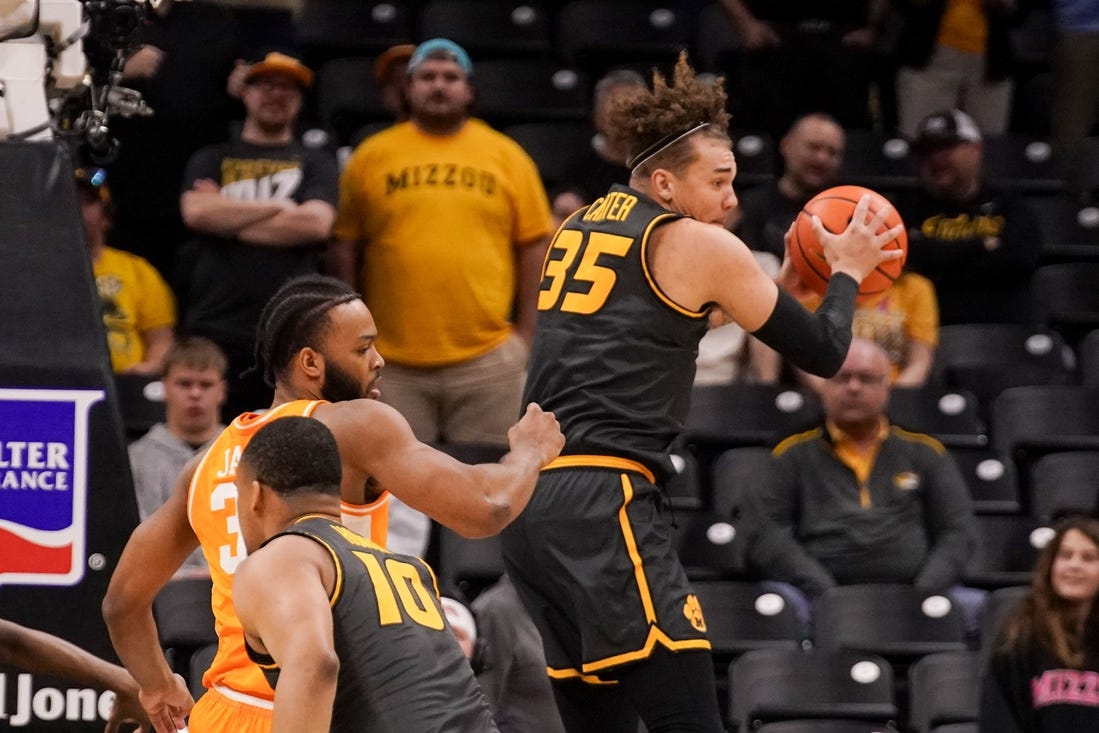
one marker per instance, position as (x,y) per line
(857,500)
(139,312)
(590,172)
(812,153)
(1044,670)
(194,390)
(512,667)
(904,321)
(727,354)
(979,245)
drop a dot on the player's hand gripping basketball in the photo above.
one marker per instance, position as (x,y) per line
(857,250)
(539,432)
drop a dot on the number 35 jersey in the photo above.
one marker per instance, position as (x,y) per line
(401,668)
(212,511)
(613,356)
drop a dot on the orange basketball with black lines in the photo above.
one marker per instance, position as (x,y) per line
(835,207)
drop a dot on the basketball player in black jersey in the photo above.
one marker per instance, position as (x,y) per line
(626,290)
(351,637)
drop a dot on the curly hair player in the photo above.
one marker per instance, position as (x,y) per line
(626,290)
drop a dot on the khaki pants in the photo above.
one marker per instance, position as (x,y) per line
(472,402)
(953,79)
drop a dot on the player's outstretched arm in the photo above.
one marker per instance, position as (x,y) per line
(155,550)
(283,606)
(37,651)
(474,501)
(698,264)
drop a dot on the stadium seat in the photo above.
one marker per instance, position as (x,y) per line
(896,621)
(348,97)
(599,34)
(877,161)
(553,146)
(1064,483)
(1028,422)
(1066,299)
(709,546)
(685,488)
(489,29)
(749,414)
(185,620)
(1089,359)
(328,29)
(999,607)
(513,91)
(990,478)
(741,616)
(952,416)
(1070,231)
(740,415)
(736,472)
(716,44)
(825,726)
(944,689)
(774,685)
(987,358)
(1021,163)
(1006,549)
(141,402)
(756,158)
(468,565)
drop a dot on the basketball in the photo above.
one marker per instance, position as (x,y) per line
(834,207)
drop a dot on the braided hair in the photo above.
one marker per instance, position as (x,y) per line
(295,317)
(653,126)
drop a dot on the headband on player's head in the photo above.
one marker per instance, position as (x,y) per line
(661,145)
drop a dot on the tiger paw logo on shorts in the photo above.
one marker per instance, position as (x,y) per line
(693,611)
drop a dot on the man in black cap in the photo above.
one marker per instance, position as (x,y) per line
(261,206)
(977,244)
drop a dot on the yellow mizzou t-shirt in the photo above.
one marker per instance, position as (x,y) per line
(439,218)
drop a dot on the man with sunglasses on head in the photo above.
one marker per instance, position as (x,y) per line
(261,206)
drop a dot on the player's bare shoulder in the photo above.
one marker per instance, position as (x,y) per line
(363,422)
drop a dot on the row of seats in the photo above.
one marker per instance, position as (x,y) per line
(788,691)
(711,547)
(584,32)
(768,666)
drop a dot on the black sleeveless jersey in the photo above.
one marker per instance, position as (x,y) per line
(401,669)
(613,357)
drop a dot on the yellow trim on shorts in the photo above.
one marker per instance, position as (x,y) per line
(656,636)
(583,461)
(568,674)
(635,556)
